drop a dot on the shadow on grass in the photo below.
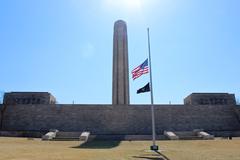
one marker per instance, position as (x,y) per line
(165,157)
(97,144)
(148,158)
(157,156)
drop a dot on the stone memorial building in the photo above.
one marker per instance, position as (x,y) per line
(36,112)
(14,98)
(210,99)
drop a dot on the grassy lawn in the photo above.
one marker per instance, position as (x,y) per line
(35,149)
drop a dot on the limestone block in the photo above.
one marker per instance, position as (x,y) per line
(171,135)
(84,136)
(205,135)
(49,136)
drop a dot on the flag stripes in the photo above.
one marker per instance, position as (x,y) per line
(139,73)
(140,70)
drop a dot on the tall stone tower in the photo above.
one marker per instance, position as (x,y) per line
(120,88)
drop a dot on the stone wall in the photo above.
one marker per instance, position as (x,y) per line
(108,119)
(1,106)
(238,112)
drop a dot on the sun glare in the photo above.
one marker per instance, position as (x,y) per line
(132,3)
(124,4)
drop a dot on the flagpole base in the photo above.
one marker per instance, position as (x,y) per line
(154,148)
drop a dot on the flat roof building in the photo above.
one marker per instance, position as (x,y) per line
(13,98)
(210,99)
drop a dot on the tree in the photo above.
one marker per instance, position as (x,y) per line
(1,96)
(238,101)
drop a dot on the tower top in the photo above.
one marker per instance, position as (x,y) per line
(120,22)
(120,26)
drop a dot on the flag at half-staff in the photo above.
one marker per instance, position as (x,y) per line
(140,70)
(146,88)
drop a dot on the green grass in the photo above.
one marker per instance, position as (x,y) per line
(35,149)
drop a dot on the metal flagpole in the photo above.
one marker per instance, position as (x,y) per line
(154,146)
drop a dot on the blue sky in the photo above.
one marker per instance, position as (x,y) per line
(65,47)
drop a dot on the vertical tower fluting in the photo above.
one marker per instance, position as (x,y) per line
(120,88)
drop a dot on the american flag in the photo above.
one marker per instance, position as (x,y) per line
(140,70)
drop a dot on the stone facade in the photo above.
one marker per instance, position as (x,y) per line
(13,98)
(210,99)
(1,110)
(238,112)
(119,119)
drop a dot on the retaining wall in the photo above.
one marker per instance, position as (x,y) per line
(238,112)
(120,119)
(1,107)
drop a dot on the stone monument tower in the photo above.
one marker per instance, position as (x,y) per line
(120,88)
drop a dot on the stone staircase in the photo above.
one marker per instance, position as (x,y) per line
(75,136)
(193,135)
(67,136)
(186,135)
